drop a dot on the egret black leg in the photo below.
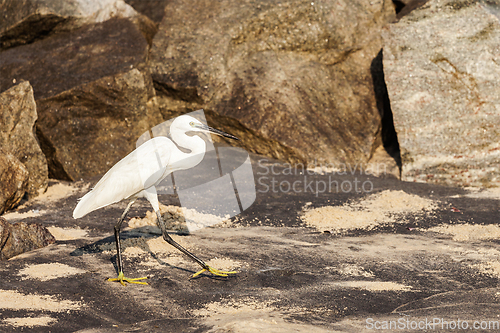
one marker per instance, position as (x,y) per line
(121,278)
(168,239)
(117,228)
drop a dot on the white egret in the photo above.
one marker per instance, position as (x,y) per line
(138,174)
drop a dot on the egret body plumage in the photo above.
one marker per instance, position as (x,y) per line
(138,174)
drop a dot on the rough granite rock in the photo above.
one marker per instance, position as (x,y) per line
(69,59)
(89,128)
(93,97)
(442,71)
(13,180)
(22,237)
(24,21)
(295,72)
(17,120)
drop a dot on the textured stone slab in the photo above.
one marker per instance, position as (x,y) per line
(442,69)
(294,72)
(13,180)
(91,91)
(24,21)
(17,126)
(89,128)
(69,59)
(22,237)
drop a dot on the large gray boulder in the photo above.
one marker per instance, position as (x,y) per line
(17,134)
(441,65)
(94,97)
(13,180)
(87,129)
(22,237)
(24,21)
(65,60)
(293,73)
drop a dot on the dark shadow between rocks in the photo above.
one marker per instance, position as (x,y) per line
(34,28)
(389,135)
(404,8)
(399,5)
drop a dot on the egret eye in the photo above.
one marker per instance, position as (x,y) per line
(191,124)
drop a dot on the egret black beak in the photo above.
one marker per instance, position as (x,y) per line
(215,131)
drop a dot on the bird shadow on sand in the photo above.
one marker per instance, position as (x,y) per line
(138,238)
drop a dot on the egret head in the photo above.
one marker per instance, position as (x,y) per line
(189,124)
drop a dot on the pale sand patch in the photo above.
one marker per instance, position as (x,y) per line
(380,208)
(56,192)
(44,272)
(158,245)
(224,264)
(30,321)
(487,258)
(342,218)
(250,316)
(491,268)
(353,270)
(13,300)
(148,220)
(172,260)
(179,218)
(12,216)
(67,233)
(231,307)
(324,169)
(372,285)
(393,202)
(468,232)
(133,251)
(479,193)
(174,257)
(139,246)
(196,220)
(150,262)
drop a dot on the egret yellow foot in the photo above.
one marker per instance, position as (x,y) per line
(214,271)
(122,279)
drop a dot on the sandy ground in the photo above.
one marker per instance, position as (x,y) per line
(334,262)
(381,208)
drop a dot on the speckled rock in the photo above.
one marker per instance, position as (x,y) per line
(68,59)
(13,180)
(441,65)
(89,128)
(24,21)
(17,120)
(296,73)
(22,237)
(94,98)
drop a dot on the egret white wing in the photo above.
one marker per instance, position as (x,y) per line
(141,169)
